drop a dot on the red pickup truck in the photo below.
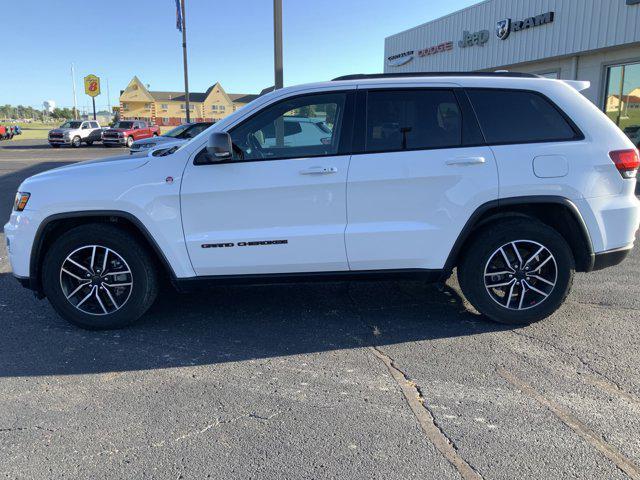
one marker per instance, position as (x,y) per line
(125,132)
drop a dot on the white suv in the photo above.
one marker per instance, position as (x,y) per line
(517,181)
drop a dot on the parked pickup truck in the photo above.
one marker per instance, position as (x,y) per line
(124,133)
(75,133)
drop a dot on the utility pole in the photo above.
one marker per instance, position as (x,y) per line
(277,43)
(75,100)
(184,56)
(108,97)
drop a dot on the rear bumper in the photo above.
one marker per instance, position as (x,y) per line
(610,258)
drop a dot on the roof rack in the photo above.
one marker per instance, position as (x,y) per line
(364,76)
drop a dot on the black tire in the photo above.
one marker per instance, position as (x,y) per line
(76,141)
(54,145)
(487,242)
(129,142)
(143,276)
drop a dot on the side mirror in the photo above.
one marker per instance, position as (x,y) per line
(219,147)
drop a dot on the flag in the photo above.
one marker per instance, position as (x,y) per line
(178,16)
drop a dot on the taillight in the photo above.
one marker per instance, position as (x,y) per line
(627,162)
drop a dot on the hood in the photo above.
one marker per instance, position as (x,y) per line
(62,130)
(121,163)
(158,140)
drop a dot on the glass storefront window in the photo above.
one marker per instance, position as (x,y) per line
(554,75)
(622,100)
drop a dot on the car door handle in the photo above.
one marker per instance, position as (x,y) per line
(318,171)
(467,161)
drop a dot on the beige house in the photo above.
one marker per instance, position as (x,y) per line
(168,108)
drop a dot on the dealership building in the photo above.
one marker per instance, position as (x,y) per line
(594,40)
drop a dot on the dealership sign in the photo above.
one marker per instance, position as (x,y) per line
(401,58)
(470,39)
(443,47)
(506,26)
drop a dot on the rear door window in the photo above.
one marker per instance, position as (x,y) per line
(411,120)
(515,116)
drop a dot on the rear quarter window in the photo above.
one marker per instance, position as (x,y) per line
(514,116)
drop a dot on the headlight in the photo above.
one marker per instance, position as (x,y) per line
(21,201)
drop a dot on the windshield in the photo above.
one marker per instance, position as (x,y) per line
(123,125)
(633,129)
(175,133)
(71,125)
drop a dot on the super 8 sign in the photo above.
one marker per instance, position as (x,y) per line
(92,85)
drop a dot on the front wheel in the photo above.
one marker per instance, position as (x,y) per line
(76,142)
(518,272)
(99,277)
(129,142)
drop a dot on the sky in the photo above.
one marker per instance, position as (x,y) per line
(230,41)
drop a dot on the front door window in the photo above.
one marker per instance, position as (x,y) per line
(298,128)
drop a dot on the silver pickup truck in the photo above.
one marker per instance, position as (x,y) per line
(75,133)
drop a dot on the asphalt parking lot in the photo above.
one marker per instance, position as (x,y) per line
(381,380)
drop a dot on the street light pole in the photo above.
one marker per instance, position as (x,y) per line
(277,43)
(184,56)
(277,65)
(75,100)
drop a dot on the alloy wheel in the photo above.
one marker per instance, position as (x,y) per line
(520,275)
(96,280)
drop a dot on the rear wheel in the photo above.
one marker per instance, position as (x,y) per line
(99,277)
(517,272)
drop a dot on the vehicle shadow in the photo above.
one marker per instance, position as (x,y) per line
(231,324)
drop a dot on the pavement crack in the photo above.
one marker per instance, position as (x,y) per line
(595,377)
(414,397)
(21,429)
(609,451)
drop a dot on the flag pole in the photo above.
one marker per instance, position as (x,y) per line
(184,56)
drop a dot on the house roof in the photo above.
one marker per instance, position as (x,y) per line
(627,98)
(196,97)
(201,96)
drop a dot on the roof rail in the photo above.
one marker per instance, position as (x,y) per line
(364,76)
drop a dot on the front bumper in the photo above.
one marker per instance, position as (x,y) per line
(59,141)
(20,233)
(114,141)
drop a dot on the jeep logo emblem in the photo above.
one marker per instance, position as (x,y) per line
(470,39)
